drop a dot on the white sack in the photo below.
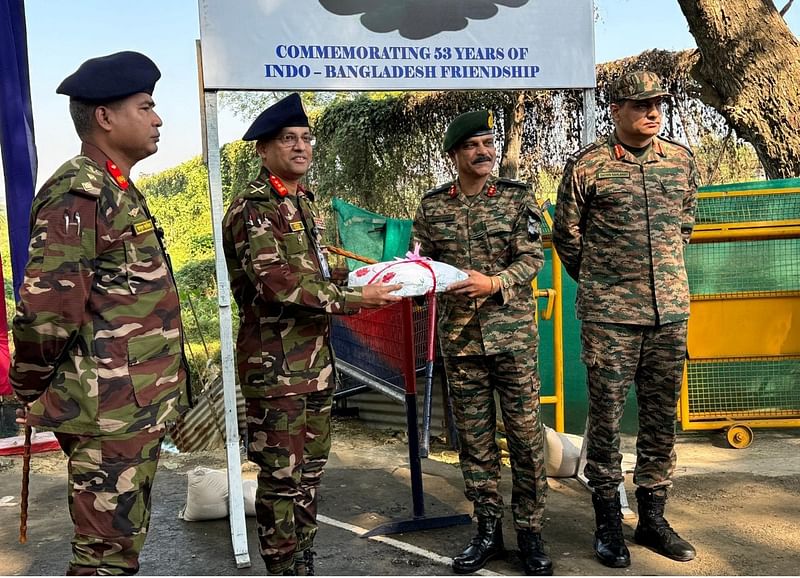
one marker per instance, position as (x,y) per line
(207,495)
(561,453)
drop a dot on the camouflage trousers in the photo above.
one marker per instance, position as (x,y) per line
(289,438)
(110,484)
(473,381)
(615,356)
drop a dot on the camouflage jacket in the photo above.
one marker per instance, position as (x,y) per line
(279,281)
(620,227)
(98,334)
(496,232)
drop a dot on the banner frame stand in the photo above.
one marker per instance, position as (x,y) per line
(210,122)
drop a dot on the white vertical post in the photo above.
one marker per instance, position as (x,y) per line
(235,492)
(589,132)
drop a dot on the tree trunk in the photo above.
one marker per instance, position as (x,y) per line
(513,119)
(748,67)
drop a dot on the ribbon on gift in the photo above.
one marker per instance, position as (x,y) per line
(411,257)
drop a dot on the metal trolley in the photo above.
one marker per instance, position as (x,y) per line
(743,368)
(384,349)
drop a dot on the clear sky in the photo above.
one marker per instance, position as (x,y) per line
(61,35)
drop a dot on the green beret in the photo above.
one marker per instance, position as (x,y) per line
(469,124)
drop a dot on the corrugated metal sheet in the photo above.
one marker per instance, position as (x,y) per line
(203,426)
(379,411)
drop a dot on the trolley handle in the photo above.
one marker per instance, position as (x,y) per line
(551,301)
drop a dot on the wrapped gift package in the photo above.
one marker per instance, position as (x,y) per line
(418,275)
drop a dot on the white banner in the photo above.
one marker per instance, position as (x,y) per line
(397,44)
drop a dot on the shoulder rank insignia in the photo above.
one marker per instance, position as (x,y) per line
(117,175)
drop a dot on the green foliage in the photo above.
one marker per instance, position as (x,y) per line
(8,280)
(247,105)
(726,160)
(239,164)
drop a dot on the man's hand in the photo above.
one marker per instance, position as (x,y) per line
(475,286)
(22,414)
(379,295)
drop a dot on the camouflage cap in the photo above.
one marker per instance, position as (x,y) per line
(469,124)
(639,85)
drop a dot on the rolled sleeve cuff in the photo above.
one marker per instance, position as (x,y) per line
(351,300)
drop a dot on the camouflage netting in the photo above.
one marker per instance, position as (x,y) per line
(382,154)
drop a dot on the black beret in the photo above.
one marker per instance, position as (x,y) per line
(469,124)
(112,77)
(286,112)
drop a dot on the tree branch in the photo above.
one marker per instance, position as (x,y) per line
(785,9)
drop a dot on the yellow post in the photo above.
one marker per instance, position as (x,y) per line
(558,342)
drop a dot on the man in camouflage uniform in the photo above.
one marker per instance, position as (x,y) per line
(490,228)
(625,212)
(281,283)
(98,335)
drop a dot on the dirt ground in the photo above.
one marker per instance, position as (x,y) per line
(738,507)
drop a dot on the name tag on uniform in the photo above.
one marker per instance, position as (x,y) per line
(613,175)
(442,218)
(297,226)
(143,227)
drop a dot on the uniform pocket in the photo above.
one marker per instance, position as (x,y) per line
(498,237)
(295,243)
(304,347)
(153,365)
(144,263)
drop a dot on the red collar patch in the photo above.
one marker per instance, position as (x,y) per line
(453,191)
(492,191)
(278,185)
(619,152)
(117,175)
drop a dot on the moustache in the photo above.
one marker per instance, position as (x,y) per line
(482,159)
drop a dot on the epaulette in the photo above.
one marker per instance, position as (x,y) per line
(512,182)
(257,188)
(582,152)
(677,144)
(79,177)
(440,189)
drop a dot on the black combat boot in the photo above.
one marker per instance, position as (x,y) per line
(609,543)
(654,531)
(486,545)
(531,552)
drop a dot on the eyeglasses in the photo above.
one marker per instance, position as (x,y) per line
(290,140)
